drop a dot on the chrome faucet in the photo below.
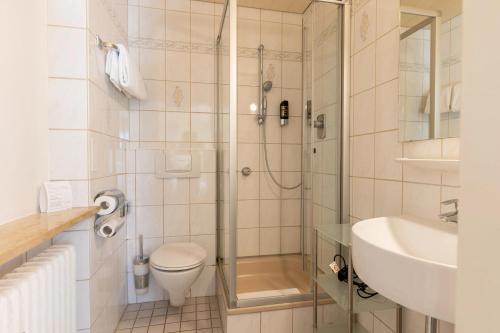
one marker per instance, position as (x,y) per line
(450,216)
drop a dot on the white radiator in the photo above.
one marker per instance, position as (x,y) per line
(39,296)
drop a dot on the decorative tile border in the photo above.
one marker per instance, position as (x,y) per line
(419,68)
(211,49)
(108,6)
(422,68)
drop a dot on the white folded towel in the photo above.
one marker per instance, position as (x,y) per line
(112,68)
(130,77)
(445,100)
(456,98)
(124,73)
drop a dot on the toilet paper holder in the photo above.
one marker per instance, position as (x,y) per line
(111,217)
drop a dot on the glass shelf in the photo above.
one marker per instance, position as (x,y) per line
(340,233)
(338,291)
(340,328)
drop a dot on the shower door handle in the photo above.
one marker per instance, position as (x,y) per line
(319,122)
(319,125)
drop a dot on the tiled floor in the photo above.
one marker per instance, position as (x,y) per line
(198,315)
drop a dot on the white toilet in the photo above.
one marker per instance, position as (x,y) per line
(176,266)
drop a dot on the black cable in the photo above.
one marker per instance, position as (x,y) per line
(361,286)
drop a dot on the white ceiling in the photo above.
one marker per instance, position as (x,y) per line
(291,6)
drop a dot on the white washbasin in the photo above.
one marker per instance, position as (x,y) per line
(409,260)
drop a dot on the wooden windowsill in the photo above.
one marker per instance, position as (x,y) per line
(19,236)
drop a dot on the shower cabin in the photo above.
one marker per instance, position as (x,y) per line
(282,144)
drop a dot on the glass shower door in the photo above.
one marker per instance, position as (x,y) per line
(225,137)
(322,122)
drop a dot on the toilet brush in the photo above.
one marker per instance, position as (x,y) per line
(141,270)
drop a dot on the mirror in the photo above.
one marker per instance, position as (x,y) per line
(430,69)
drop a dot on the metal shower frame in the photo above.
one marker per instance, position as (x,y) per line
(230,286)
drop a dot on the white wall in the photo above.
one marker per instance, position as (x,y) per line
(88,132)
(479,273)
(23,124)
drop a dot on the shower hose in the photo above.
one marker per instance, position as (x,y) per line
(269,168)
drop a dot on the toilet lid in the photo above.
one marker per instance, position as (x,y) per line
(178,256)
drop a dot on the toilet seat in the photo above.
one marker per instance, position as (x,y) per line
(178,257)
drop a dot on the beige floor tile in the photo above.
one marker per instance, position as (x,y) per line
(126,324)
(157,320)
(188,325)
(216,323)
(145,314)
(204,330)
(140,329)
(172,327)
(189,308)
(173,318)
(205,323)
(156,329)
(188,316)
(202,307)
(129,315)
(203,315)
(141,322)
(155,317)
(160,312)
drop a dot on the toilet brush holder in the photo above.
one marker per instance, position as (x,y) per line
(141,275)
(141,270)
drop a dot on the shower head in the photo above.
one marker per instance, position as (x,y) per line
(266,86)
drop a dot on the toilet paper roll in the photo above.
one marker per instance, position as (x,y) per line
(109,227)
(107,203)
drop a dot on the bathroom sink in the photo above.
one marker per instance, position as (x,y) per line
(410,260)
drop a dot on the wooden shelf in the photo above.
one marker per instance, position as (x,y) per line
(21,235)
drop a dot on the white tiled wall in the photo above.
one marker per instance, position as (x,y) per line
(297,320)
(88,130)
(379,185)
(174,44)
(269,218)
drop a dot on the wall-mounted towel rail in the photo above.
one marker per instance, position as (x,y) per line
(104,45)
